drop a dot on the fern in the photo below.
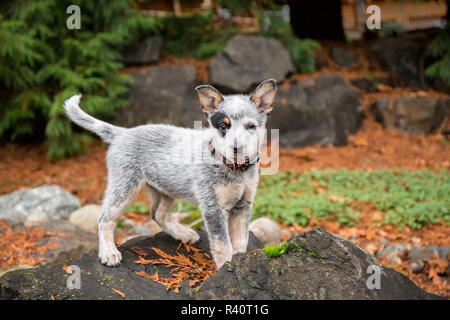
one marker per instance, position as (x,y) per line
(439,49)
(42,63)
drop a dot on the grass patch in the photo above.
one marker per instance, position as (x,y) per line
(413,199)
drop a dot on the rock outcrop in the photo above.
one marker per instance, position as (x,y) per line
(248,60)
(317,265)
(319,111)
(144,52)
(412,115)
(162,94)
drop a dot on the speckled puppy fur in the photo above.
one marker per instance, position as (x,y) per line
(165,159)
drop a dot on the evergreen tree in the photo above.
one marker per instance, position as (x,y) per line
(439,49)
(42,63)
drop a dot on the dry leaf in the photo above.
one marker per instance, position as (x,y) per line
(120,293)
(139,251)
(195,268)
(67,269)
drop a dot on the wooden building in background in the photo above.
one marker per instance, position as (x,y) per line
(413,14)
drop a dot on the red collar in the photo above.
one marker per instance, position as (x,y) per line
(234,165)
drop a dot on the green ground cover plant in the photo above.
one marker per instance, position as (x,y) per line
(413,199)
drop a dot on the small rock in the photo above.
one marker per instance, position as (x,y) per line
(417,254)
(394,248)
(86,218)
(36,218)
(416,266)
(153,226)
(141,231)
(393,259)
(266,230)
(442,252)
(55,202)
(384,242)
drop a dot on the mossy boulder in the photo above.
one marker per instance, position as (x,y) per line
(315,265)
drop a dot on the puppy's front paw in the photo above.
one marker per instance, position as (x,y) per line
(110,257)
(182,233)
(190,236)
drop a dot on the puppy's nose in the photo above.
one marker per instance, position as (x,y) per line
(236,147)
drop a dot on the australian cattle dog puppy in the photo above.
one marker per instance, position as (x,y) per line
(222,184)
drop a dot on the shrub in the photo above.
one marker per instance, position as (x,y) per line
(42,63)
(392,29)
(439,49)
(193,35)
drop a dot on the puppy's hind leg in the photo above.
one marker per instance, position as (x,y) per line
(118,196)
(155,197)
(171,227)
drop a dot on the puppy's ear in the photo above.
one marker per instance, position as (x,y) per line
(209,97)
(264,95)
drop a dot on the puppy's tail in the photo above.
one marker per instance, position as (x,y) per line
(104,130)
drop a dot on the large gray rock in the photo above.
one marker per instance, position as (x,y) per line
(55,202)
(162,95)
(343,57)
(248,60)
(411,115)
(323,267)
(144,52)
(97,280)
(322,111)
(402,58)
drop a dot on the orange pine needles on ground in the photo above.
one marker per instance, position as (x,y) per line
(21,247)
(120,293)
(195,267)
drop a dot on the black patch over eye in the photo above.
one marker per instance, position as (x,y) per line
(220,121)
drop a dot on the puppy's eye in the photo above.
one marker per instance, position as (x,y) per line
(222,127)
(251,126)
